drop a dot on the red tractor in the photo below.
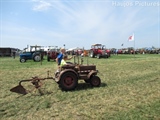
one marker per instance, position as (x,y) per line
(52,53)
(98,50)
(68,76)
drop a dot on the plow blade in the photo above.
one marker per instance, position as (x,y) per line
(19,89)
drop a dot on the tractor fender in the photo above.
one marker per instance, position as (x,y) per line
(93,72)
(35,53)
(65,71)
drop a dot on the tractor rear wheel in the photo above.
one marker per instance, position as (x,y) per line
(68,81)
(95,81)
(37,57)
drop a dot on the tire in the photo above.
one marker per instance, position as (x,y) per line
(95,81)
(22,60)
(92,54)
(37,57)
(108,56)
(98,56)
(68,81)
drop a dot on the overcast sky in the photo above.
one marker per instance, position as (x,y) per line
(79,23)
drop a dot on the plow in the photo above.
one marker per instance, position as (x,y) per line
(35,81)
(67,77)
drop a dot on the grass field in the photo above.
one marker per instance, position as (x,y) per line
(130,90)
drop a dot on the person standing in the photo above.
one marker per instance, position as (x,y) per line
(14,54)
(60,56)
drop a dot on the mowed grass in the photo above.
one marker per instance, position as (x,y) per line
(130,90)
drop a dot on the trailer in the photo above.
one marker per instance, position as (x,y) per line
(7,51)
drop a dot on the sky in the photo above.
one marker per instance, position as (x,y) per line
(79,23)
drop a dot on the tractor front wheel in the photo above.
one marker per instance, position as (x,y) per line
(95,81)
(92,54)
(22,60)
(98,56)
(68,81)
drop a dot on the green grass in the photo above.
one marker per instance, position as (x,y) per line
(130,90)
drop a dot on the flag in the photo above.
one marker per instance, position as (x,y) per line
(131,38)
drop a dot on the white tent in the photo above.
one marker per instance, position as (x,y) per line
(75,48)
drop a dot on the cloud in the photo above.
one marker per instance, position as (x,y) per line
(41,5)
(90,16)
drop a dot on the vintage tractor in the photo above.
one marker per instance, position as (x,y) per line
(35,53)
(98,50)
(67,77)
(52,53)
